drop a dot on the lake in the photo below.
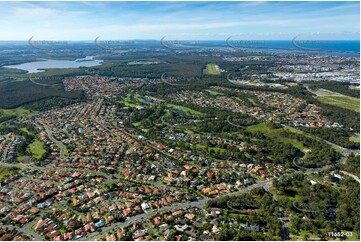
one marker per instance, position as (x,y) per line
(39,66)
(148,100)
(181,112)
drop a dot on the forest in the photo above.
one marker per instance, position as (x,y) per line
(266,216)
(327,209)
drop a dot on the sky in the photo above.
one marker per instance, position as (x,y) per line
(178,20)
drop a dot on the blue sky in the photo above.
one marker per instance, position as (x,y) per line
(178,20)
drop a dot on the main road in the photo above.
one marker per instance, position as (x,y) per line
(51,137)
(173,207)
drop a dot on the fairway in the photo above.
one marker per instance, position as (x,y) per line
(212,69)
(213,92)
(342,102)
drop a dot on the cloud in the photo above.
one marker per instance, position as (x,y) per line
(124,20)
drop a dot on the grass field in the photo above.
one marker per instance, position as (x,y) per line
(274,133)
(341,101)
(355,139)
(19,112)
(213,92)
(37,149)
(212,69)
(25,130)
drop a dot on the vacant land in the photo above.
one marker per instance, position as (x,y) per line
(342,101)
(7,114)
(275,133)
(19,112)
(337,99)
(37,149)
(212,69)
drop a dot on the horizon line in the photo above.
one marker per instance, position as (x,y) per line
(93,40)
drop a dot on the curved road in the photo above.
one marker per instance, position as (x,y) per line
(50,135)
(351,175)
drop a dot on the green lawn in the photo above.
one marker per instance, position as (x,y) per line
(342,101)
(261,127)
(212,69)
(188,131)
(355,139)
(37,149)
(137,124)
(213,92)
(128,101)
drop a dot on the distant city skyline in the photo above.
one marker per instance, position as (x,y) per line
(179,20)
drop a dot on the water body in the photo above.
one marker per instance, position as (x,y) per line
(316,45)
(320,47)
(39,66)
(148,100)
(181,112)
